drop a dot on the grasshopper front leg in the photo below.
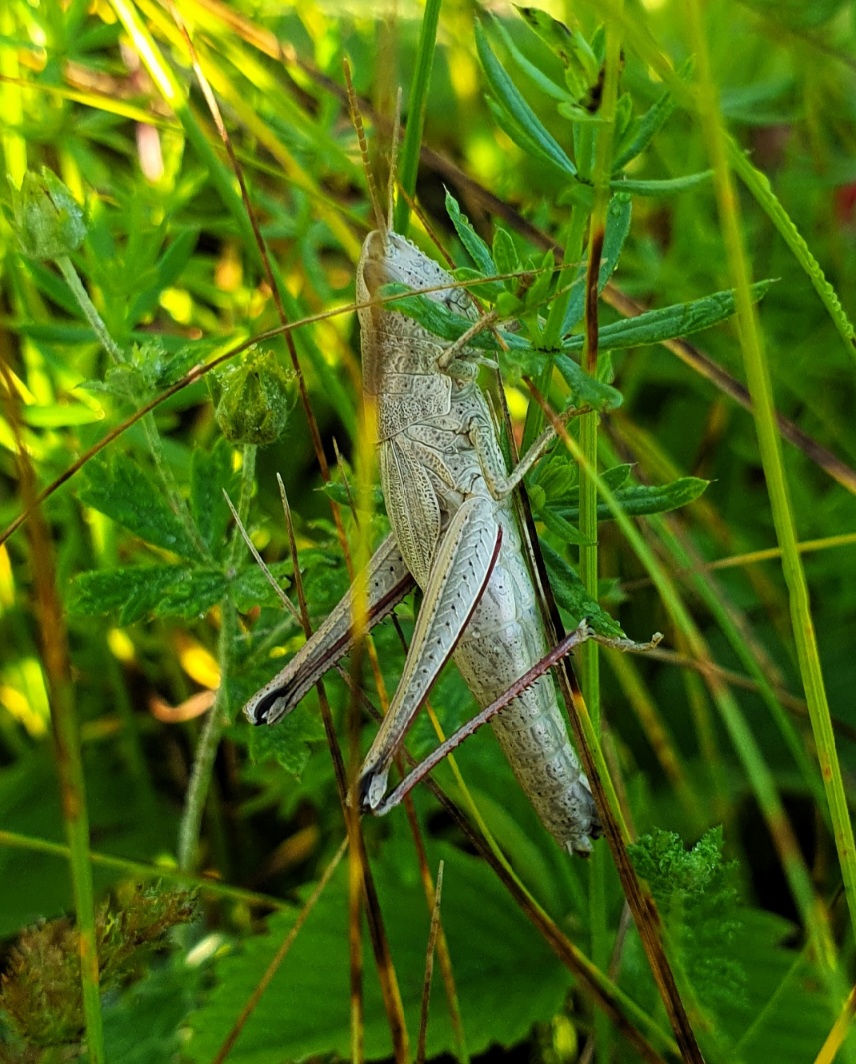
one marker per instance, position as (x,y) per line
(389,580)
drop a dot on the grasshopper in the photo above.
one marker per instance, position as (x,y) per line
(455,533)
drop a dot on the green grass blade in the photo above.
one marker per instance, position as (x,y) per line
(760,387)
(416,105)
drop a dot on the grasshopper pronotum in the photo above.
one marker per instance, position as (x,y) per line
(454,531)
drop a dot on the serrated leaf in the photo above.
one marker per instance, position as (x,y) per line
(524,119)
(147,590)
(617,227)
(476,248)
(287,742)
(665,186)
(572,596)
(210,475)
(250,588)
(118,488)
(305,1012)
(681,319)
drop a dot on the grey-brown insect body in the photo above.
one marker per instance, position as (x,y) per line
(440,466)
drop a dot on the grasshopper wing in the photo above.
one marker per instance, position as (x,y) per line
(460,572)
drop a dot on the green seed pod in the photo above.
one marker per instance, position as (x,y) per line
(48,220)
(254,399)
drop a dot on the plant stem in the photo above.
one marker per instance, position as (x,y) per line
(218,716)
(590,657)
(155,445)
(66,732)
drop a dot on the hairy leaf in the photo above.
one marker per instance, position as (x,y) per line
(477,249)
(147,590)
(118,487)
(210,475)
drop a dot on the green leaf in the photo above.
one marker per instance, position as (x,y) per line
(586,390)
(580,62)
(680,319)
(663,187)
(561,528)
(644,129)
(147,590)
(476,248)
(695,893)
(524,119)
(168,269)
(444,323)
(119,488)
(211,474)
(521,138)
(615,233)
(250,588)
(637,500)
(143,1024)
(504,252)
(305,1012)
(572,596)
(538,78)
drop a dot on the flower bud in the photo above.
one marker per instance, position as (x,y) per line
(48,220)
(254,399)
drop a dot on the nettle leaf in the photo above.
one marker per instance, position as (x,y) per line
(695,892)
(617,227)
(681,319)
(516,116)
(572,596)
(150,370)
(288,742)
(211,474)
(250,587)
(147,590)
(305,1011)
(118,487)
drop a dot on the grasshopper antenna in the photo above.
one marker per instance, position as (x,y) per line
(393,162)
(357,120)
